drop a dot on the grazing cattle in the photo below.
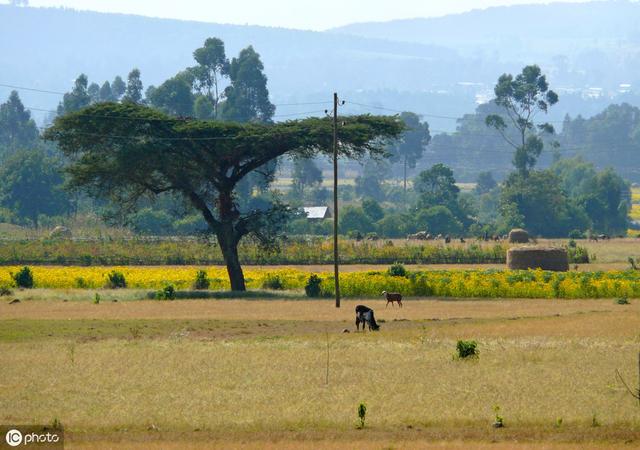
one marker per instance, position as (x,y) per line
(392,298)
(419,236)
(462,241)
(447,239)
(364,315)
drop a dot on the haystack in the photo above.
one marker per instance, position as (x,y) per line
(518,236)
(523,258)
(60,232)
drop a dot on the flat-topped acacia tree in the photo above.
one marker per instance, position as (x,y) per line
(126,151)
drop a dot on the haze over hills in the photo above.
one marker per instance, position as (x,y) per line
(521,32)
(448,67)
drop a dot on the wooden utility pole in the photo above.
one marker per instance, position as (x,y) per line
(335,200)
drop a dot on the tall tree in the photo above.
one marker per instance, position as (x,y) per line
(105,92)
(522,98)
(212,66)
(485,183)
(31,185)
(412,144)
(247,98)
(94,92)
(17,128)
(437,186)
(174,97)
(369,183)
(118,88)
(305,173)
(143,152)
(134,90)
(77,99)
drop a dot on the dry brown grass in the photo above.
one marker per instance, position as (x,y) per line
(540,360)
(307,310)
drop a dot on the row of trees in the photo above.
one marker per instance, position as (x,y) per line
(570,197)
(133,154)
(215,88)
(129,153)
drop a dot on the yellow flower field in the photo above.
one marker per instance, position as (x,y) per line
(445,283)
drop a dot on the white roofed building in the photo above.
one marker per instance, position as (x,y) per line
(317,212)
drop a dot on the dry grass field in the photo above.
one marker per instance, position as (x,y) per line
(253,374)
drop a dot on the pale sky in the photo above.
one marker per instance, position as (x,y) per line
(301,14)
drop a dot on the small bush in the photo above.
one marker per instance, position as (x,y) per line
(499,422)
(576,234)
(313,288)
(166,293)
(467,349)
(24,278)
(5,290)
(272,282)
(202,282)
(81,283)
(577,254)
(362,414)
(116,280)
(622,301)
(397,270)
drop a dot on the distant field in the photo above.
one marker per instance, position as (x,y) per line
(252,374)
(317,251)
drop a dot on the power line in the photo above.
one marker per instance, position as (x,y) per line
(45,91)
(22,88)
(383,108)
(363,105)
(435,116)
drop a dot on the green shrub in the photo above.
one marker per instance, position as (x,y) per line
(5,290)
(272,282)
(202,282)
(362,414)
(499,421)
(81,283)
(116,280)
(576,234)
(397,270)
(622,301)
(313,288)
(24,278)
(166,293)
(467,349)
(577,254)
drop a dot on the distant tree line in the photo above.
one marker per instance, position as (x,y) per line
(571,196)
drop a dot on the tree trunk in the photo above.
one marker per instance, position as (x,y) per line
(229,247)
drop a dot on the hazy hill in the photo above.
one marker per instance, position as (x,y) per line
(47,48)
(522,31)
(452,62)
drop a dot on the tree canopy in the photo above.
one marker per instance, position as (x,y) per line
(17,128)
(127,151)
(522,98)
(411,145)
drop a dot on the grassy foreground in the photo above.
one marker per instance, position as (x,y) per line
(252,374)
